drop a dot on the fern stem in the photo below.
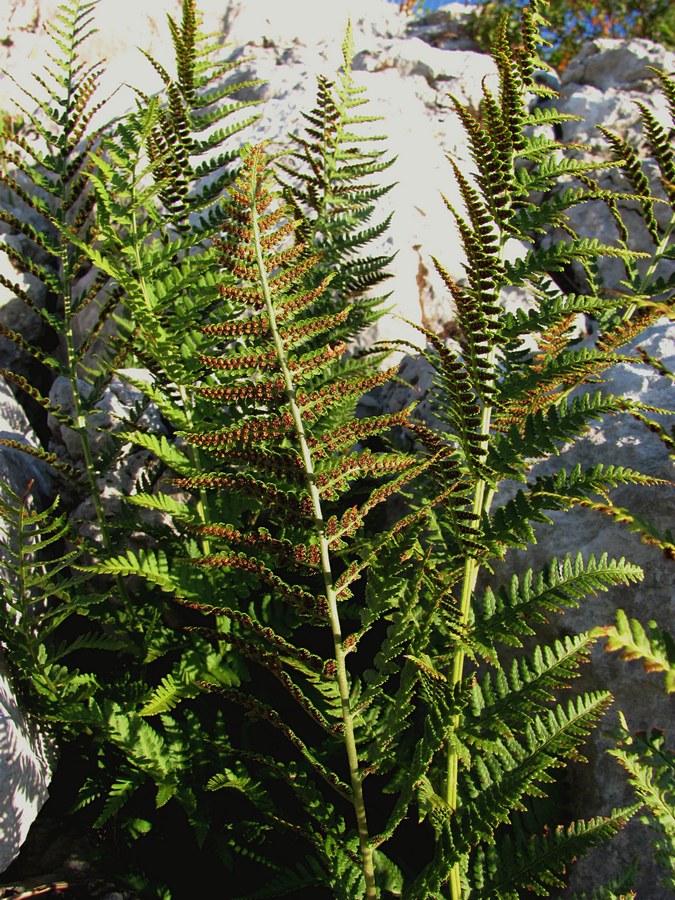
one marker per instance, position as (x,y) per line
(193,455)
(482,499)
(66,276)
(660,254)
(331,596)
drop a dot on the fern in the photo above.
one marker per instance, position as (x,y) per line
(41,594)
(654,647)
(307,665)
(529,863)
(651,771)
(334,201)
(191,161)
(48,183)
(496,402)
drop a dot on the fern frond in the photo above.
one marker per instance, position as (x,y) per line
(151,566)
(541,433)
(651,771)
(537,863)
(654,647)
(512,612)
(506,700)
(517,769)
(327,188)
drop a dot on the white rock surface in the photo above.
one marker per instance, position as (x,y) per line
(14,313)
(25,773)
(18,469)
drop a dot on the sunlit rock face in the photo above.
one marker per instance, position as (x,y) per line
(409,70)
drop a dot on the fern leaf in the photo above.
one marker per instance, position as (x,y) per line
(651,771)
(506,700)
(654,647)
(537,862)
(511,613)
(151,566)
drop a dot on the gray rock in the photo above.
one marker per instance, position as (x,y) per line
(603,86)
(120,407)
(18,469)
(14,313)
(26,761)
(608,63)
(307,23)
(448,27)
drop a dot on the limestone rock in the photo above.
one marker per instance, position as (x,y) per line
(603,86)
(120,407)
(14,313)
(18,469)
(448,27)
(25,772)
(308,23)
(608,63)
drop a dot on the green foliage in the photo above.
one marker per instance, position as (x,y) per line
(305,665)
(571,22)
(41,591)
(650,765)
(654,647)
(332,199)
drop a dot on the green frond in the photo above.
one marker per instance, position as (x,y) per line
(537,863)
(650,765)
(326,185)
(627,156)
(660,145)
(512,770)
(143,744)
(120,792)
(162,448)
(191,161)
(179,510)
(501,703)
(555,166)
(654,647)
(511,613)
(40,591)
(541,433)
(151,566)
(510,524)
(558,256)
(167,695)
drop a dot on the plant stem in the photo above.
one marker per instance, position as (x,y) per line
(80,419)
(660,254)
(482,498)
(331,596)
